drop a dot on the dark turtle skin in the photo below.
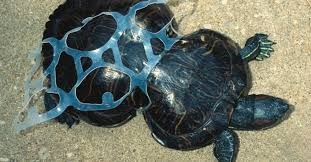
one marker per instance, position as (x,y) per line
(199,95)
(95,34)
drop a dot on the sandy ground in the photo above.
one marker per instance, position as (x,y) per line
(286,74)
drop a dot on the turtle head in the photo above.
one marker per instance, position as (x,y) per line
(259,112)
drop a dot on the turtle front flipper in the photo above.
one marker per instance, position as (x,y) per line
(255,112)
(226,146)
(257,47)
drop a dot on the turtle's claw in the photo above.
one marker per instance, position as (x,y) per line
(257,47)
(268,42)
(259,58)
(265,46)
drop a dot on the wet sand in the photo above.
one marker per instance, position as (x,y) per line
(286,74)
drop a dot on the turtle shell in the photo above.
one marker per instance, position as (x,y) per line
(194,89)
(92,36)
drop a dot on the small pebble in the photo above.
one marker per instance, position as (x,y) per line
(207,26)
(69,155)
(15,88)
(2,122)
(243,31)
(278,1)
(224,2)
(4,159)
(43,153)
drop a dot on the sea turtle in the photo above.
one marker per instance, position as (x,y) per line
(199,94)
(197,91)
(96,33)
